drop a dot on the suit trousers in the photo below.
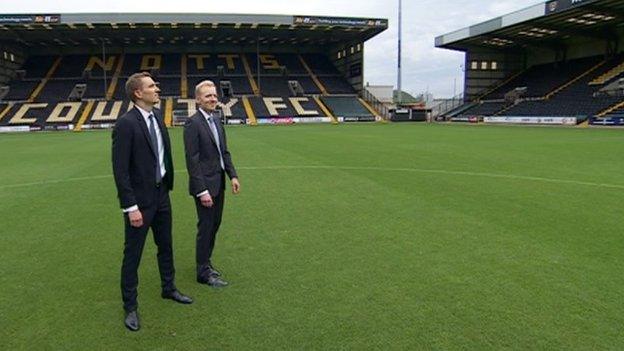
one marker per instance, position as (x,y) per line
(158,218)
(209,220)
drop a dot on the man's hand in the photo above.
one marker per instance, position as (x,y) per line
(235,186)
(136,218)
(206,200)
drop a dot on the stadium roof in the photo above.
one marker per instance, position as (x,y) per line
(84,29)
(543,24)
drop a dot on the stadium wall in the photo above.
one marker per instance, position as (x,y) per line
(491,68)
(11,59)
(349,60)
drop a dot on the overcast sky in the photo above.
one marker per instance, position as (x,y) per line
(425,68)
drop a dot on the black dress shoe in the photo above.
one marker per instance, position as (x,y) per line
(212,270)
(132,321)
(177,296)
(212,280)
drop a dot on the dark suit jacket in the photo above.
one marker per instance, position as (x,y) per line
(135,160)
(202,156)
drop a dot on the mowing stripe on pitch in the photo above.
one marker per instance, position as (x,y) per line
(354,168)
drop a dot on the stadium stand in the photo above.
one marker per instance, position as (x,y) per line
(277,99)
(540,80)
(69,89)
(538,66)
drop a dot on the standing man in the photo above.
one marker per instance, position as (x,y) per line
(143,170)
(207,162)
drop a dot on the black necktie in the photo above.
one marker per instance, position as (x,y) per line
(152,130)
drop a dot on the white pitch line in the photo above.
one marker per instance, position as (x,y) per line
(354,168)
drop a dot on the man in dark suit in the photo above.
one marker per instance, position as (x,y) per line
(207,161)
(143,170)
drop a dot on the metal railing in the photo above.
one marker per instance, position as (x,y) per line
(375,103)
(447,105)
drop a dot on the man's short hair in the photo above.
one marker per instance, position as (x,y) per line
(134,83)
(203,83)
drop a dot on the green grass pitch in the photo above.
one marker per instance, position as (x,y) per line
(364,236)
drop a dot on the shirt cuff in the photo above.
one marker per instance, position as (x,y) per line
(130,209)
(205,192)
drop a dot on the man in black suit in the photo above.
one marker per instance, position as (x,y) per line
(207,161)
(143,170)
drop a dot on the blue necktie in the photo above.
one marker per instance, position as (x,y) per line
(215,134)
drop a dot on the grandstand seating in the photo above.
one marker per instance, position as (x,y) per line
(37,68)
(608,75)
(484,108)
(319,64)
(336,85)
(53,78)
(617,113)
(564,89)
(57,89)
(21,90)
(541,79)
(576,100)
(271,86)
(308,85)
(345,106)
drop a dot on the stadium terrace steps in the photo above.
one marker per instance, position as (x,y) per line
(605,77)
(184,77)
(250,78)
(369,108)
(115,80)
(4,109)
(84,115)
(168,112)
(325,110)
(313,76)
(249,111)
(616,110)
